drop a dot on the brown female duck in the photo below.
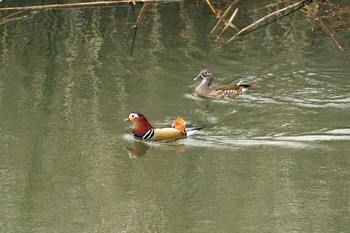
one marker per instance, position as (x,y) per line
(205,89)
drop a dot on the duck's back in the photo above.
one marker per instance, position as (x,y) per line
(226,87)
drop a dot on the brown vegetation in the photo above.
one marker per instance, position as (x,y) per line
(326,15)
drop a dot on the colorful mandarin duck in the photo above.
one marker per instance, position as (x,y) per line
(204,89)
(166,132)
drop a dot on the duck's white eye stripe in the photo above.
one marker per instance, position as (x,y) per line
(133,115)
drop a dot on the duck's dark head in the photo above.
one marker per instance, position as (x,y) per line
(141,124)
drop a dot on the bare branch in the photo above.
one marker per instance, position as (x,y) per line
(223,15)
(212,8)
(139,15)
(229,23)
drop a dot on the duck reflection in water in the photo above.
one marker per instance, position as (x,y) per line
(140,148)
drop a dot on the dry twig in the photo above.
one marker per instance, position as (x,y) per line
(223,15)
(229,23)
(212,8)
(138,19)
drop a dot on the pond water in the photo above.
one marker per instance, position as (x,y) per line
(276,159)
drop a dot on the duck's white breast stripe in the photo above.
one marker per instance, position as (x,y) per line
(149,134)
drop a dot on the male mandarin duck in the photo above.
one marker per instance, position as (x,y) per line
(166,132)
(204,89)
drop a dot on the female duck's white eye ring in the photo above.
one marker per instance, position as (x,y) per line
(206,72)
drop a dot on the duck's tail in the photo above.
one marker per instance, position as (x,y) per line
(192,129)
(245,86)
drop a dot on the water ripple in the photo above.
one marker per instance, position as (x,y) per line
(331,102)
(280,140)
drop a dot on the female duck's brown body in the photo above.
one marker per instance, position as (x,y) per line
(144,130)
(204,89)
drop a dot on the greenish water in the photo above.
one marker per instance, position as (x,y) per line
(276,159)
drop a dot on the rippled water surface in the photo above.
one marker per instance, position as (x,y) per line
(276,159)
